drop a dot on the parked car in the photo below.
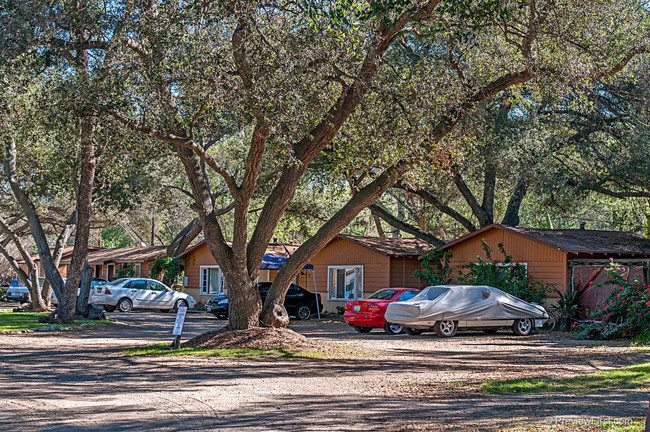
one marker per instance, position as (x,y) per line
(93,283)
(219,310)
(125,294)
(298,302)
(366,314)
(445,309)
(19,293)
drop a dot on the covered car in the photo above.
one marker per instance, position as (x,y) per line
(448,308)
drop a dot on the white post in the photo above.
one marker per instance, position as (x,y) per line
(316,294)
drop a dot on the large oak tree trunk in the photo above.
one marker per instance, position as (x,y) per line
(244,302)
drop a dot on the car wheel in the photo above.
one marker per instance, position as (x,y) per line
(393,329)
(109,308)
(445,328)
(303,312)
(362,329)
(124,305)
(523,327)
(179,303)
(413,332)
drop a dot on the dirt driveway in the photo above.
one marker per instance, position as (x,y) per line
(80,381)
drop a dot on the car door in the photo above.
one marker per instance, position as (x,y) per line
(161,297)
(293,298)
(139,293)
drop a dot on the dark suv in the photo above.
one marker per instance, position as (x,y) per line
(298,302)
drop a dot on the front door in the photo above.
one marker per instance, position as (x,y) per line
(110,272)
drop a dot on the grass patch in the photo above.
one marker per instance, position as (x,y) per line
(327,353)
(587,425)
(642,339)
(16,321)
(633,376)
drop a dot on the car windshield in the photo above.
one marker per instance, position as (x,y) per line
(430,293)
(385,294)
(117,281)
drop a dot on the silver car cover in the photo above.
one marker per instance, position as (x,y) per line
(461,302)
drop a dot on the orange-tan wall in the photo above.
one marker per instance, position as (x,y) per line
(401,272)
(544,263)
(376,269)
(193,262)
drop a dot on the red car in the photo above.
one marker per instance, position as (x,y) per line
(364,315)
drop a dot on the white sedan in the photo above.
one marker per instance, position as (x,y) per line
(127,293)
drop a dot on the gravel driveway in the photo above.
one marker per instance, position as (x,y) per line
(80,381)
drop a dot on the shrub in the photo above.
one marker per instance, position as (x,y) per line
(625,313)
(505,275)
(435,268)
(169,268)
(125,271)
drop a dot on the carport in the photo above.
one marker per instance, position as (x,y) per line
(275,262)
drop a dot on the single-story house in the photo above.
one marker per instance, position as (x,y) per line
(348,267)
(64,265)
(352,267)
(106,262)
(562,257)
(203,278)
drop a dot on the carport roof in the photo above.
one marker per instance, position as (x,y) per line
(576,241)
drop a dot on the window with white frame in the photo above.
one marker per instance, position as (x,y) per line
(211,281)
(344,282)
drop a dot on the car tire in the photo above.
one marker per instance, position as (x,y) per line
(125,305)
(445,328)
(393,329)
(523,327)
(413,332)
(303,312)
(179,303)
(362,329)
(109,308)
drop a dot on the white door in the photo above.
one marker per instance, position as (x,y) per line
(139,293)
(161,297)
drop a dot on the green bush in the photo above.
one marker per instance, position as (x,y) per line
(625,313)
(125,271)
(435,268)
(169,268)
(505,275)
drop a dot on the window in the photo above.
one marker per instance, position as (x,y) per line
(137,284)
(156,286)
(407,295)
(385,294)
(211,281)
(344,282)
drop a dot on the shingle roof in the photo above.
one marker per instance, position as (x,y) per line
(273,248)
(67,251)
(396,247)
(576,240)
(125,255)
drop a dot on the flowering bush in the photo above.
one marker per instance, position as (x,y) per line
(625,313)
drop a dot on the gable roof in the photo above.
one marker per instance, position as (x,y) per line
(574,240)
(272,248)
(394,247)
(67,251)
(125,255)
